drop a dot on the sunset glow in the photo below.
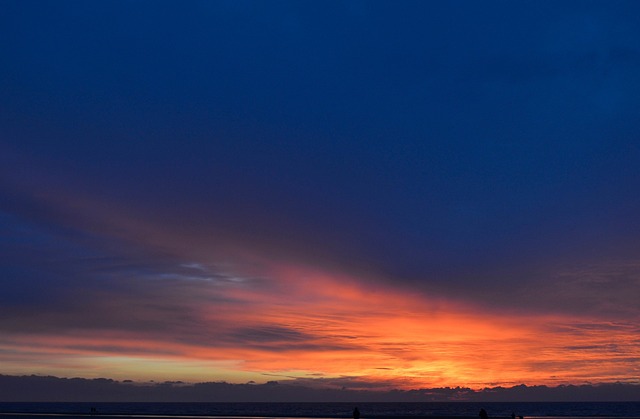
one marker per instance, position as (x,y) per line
(328,327)
(330,195)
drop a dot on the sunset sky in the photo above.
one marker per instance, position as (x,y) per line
(368,194)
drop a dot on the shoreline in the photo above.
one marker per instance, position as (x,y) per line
(23,415)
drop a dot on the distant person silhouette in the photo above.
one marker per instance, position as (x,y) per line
(483,414)
(513,415)
(356,413)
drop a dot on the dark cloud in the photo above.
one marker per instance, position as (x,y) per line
(40,388)
(271,334)
(273,338)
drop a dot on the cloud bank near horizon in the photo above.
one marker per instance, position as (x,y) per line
(54,389)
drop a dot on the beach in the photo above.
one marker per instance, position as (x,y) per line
(318,410)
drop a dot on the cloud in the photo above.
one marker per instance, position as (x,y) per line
(48,388)
(132,288)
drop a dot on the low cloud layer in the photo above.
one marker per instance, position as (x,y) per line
(53,389)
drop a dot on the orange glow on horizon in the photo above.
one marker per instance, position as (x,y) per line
(333,327)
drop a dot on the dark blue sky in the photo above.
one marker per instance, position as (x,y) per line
(427,140)
(485,150)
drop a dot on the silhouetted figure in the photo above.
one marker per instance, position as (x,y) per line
(356,413)
(513,415)
(483,414)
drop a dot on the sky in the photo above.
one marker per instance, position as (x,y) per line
(358,194)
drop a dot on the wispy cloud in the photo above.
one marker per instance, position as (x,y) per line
(148,301)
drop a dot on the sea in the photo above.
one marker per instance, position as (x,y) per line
(432,410)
